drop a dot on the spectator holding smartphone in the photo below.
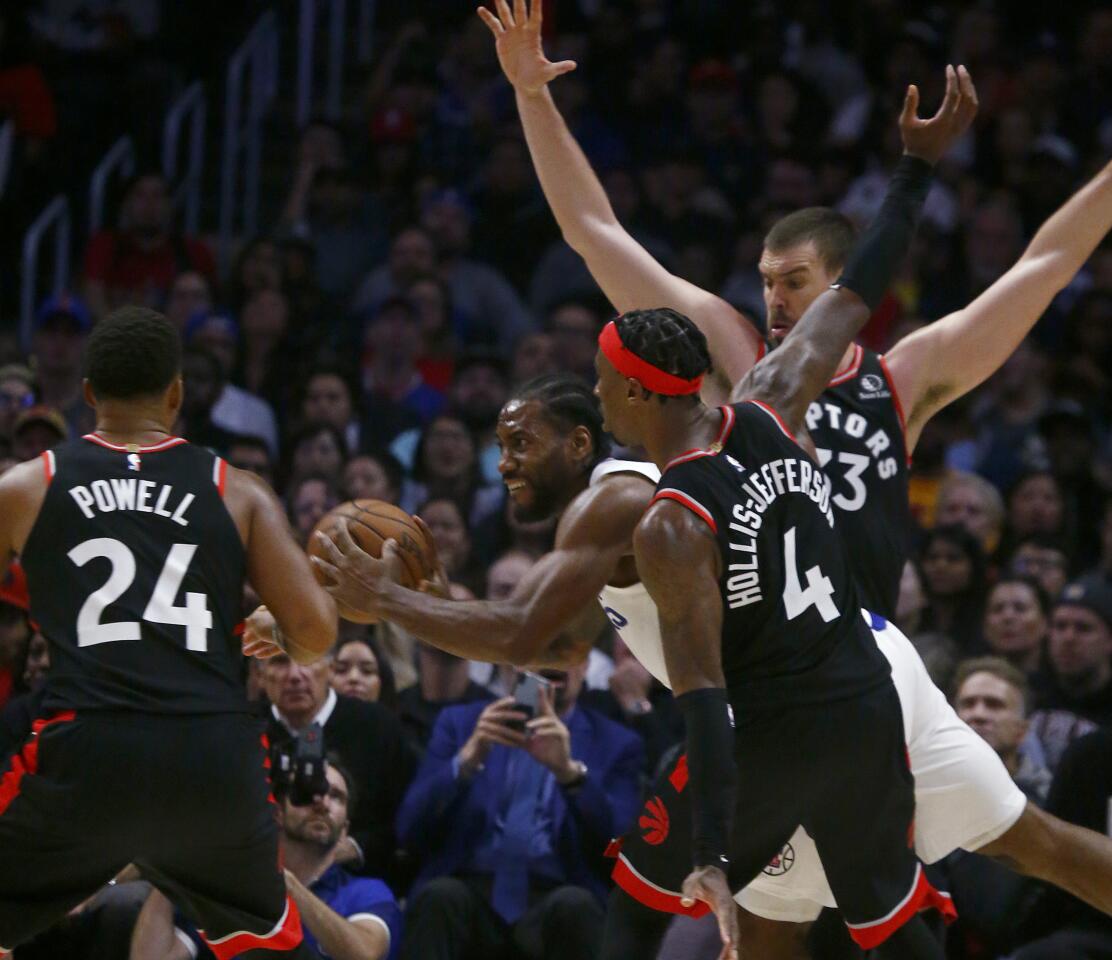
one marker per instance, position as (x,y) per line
(509,816)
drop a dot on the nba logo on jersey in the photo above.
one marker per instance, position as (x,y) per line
(133,462)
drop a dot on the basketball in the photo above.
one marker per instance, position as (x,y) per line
(371,523)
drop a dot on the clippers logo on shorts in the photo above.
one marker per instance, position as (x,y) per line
(782,862)
(654,821)
(873,387)
(615,618)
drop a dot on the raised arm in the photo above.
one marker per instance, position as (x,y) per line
(679,563)
(552,617)
(626,272)
(793,375)
(936,365)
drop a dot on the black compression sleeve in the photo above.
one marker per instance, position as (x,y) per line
(881,249)
(712,771)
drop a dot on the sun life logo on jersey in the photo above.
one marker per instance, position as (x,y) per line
(873,387)
(782,862)
(654,821)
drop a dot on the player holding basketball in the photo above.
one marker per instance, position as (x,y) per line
(136,545)
(549,449)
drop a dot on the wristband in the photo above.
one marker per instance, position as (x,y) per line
(877,255)
(712,772)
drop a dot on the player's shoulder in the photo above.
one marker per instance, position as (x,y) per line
(607,510)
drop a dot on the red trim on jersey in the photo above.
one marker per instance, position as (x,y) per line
(221,475)
(239,629)
(762,349)
(728,418)
(685,500)
(285,936)
(922,896)
(26,762)
(678,777)
(851,371)
(125,448)
(664,901)
(775,416)
(48,465)
(896,402)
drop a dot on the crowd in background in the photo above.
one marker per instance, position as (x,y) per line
(409,277)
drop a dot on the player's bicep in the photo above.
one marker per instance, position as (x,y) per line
(678,560)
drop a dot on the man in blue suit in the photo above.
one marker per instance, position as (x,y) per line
(511,825)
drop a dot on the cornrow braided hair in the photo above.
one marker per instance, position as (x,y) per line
(668,340)
(568,402)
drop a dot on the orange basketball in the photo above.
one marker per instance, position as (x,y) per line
(371,523)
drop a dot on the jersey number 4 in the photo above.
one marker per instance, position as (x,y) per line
(819,593)
(161,608)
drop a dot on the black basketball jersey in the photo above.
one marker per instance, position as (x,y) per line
(135,570)
(858,429)
(792,630)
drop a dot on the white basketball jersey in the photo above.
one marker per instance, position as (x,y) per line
(631,610)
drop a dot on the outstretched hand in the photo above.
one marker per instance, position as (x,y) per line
(517,39)
(930,139)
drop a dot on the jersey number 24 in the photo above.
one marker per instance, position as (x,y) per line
(194,615)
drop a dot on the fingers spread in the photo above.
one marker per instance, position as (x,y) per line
(328,545)
(331,572)
(342,536)
(491,21)
(504,13)
(521,15)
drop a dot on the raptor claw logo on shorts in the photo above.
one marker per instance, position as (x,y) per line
(782,862)
(654,821)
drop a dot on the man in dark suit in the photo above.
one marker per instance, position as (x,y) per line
(511,825)
(368,739)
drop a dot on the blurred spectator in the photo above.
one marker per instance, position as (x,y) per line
(575,326)
(61,325)
(236,410)
(17,393)
(396,396)
(264,362)
(972,502)
(329,397)
(253,454)
(1035,505)
(911,601)
(449,531)
(530,876)
(375,476)
(1081,651)
(257,267)
(341,914)
(1044,559)
(189,294)
(432,298)
(1016,619)
(203,378)
(534,356)
(359,672)
(36,429)
(991,696)
(442,681)
(366,738)
(137,261)
(308,499)
(317,449)
(952,568)
(446,467)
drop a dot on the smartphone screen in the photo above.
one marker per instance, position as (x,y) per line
(527,692)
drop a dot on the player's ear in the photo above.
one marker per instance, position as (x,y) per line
(581,442)
(175,393)
(87,392)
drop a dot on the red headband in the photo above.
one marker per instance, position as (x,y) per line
(627,363)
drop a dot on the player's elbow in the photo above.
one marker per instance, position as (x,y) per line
(591,236)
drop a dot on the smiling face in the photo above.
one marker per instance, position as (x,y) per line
(539,462)
(792,279)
